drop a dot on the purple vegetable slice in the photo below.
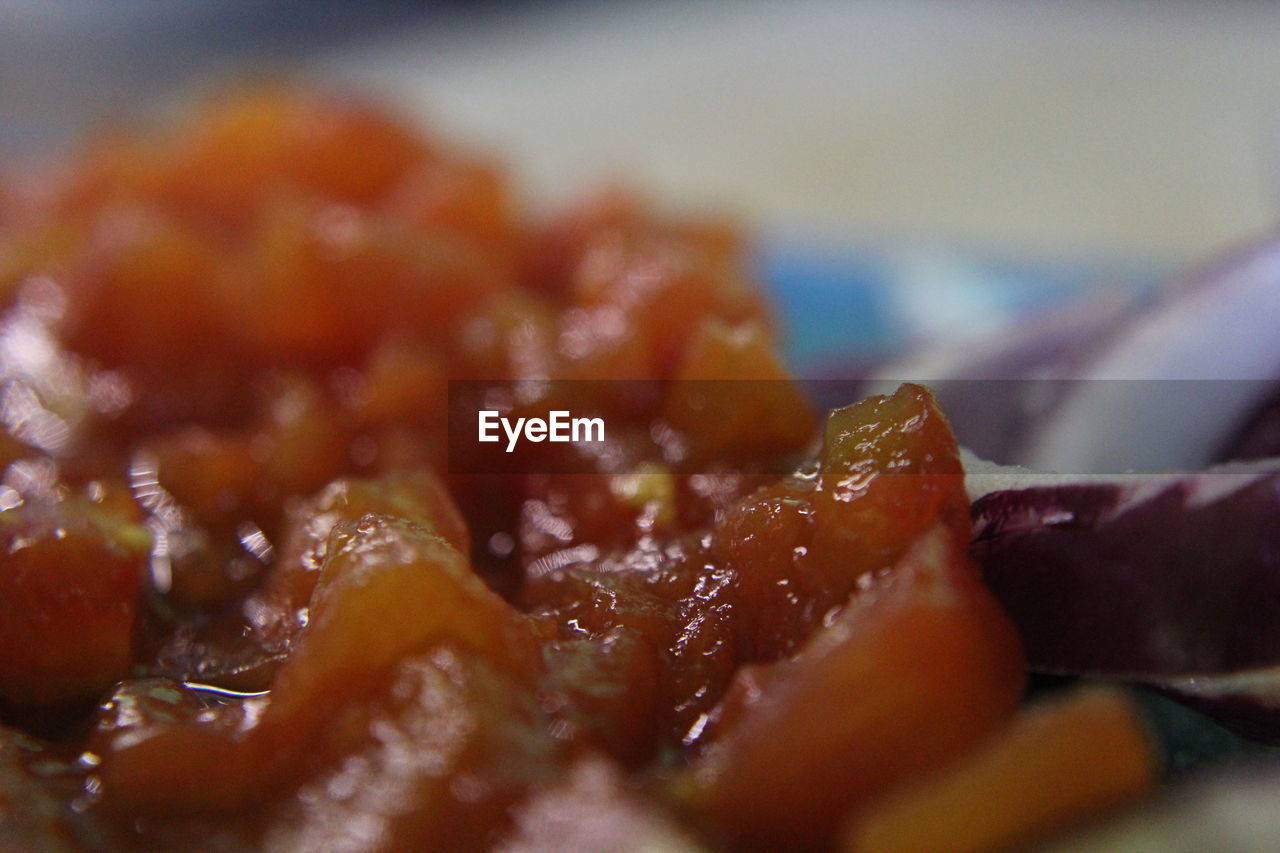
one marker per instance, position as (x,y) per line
(1167,579)
(1085,388)
(999,392)
(1215,335)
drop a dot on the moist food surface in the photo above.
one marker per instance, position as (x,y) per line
(245,605)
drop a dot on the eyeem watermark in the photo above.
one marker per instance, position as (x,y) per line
(558,426)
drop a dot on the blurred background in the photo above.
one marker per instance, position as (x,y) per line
(919,169)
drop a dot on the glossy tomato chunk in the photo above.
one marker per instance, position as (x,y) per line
(388,589)
(888,471)
(914,673)
(70,574)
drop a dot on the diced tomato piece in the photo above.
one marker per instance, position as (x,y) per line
(69,579)
(889,471)
(143,293)
(917,671)
(436,762)
(609,689)
(665,289)
(248,143)
(389,589)
(280,609)
(733,401)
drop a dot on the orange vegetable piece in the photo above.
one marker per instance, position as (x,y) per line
(610,691)
(512,334)
(441,760)
(243,145)
(281,608)
(389,589)
(30,806)
(69,578)
(118,168)
(889,471)
(142,293)
(722,417)
(554,249)
(919,669)
(291,449)
(323,283)
(1056,765)
(666,289)
(600,343)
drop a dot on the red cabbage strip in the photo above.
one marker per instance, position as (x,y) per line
(1137,576)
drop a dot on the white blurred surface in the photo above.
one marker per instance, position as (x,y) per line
(1074,130)
(1129,129)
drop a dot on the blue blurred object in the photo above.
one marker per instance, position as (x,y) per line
(846,307)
